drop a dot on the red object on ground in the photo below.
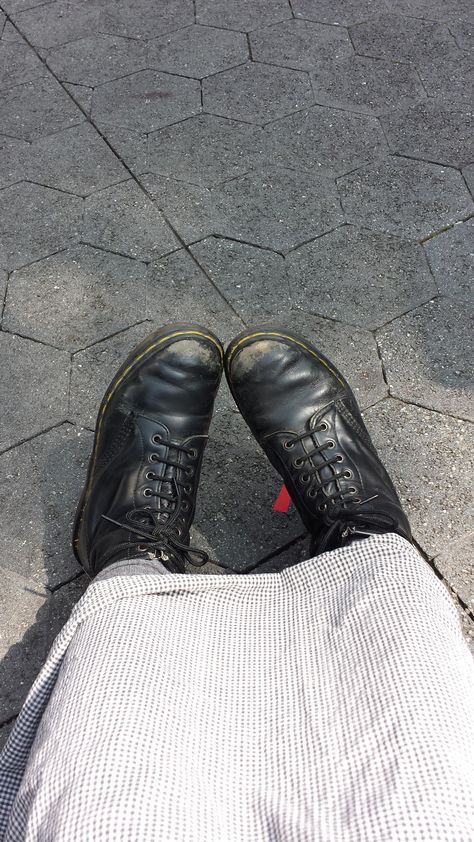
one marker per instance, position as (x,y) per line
(283,501)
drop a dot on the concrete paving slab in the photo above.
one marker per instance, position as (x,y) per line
(36,109)
(11,33)
(325,140)
(433,131)
(194,212)
(178,290)
(141,19)
(243,527)
(400,38)
(449,77)
(97,59)
(278,208)
(3,287)
(76,160)
(38,378)
(82,96)
(129,146)
(456,563)
(18,64)
(122,219)
(76,297)
(367,85)
(468,173)
(463,33)
(340,12)
(257,93)
(426,452)
(198,51)
(253,280)
(412,199)
(451,258)
(359,277)
(433,9)
(13,153)
(299,44)
(426,355)
(145,101)
(41,483)
(206,150)
(58,23)
(29,639)
(243,16)
(35,221)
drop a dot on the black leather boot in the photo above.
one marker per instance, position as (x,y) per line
(152,428)
(304,415)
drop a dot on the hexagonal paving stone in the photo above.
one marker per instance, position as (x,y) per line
(456,563)
(41,484)
(36,109)
(31,619)
(198,51)
(82,96)
(252,280)
(404,197)
(146,101)
(401,39)
(428,357)
(278,208)
(425,453)
(463,33)
(352,350)
(94,368)
(194,212)
(142,19)
(341,12)
(124,220)
(59,22)
(13,153)
(76,297)
(449,77)
(468,173)
(359,277)
(451,257)
(129,146)
(242,528)
(299,44)
(325,140)
(3,286)
(433,9)
(205,149)
(257,93)
(244,16)
(10,33)
(35,221)
(97,59)
(367,85)
(433,131)
(18,64)
(76,160)
(179,291)
(38,377)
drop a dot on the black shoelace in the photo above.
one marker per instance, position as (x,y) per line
(145,523)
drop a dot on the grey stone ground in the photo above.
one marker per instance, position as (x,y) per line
(310,161)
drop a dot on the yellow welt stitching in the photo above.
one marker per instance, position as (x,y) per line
(291,339)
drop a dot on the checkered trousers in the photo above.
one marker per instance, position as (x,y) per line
(332,702)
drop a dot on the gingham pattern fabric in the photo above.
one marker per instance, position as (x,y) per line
(332,702)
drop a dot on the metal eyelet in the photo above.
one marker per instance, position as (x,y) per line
(352,490)
(304,478)
(185,506)
(188,488)
(348,474)
(312,492)
(330,444)
(142,548)
(154,457)
(189,471)
(299,462)
(147,492)
(156,439)
(357,500)
(339,458)
(150,475)
(322,507)
(323,427)
(288,444)
(193,453)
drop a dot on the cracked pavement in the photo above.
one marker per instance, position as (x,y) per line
(309,162)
